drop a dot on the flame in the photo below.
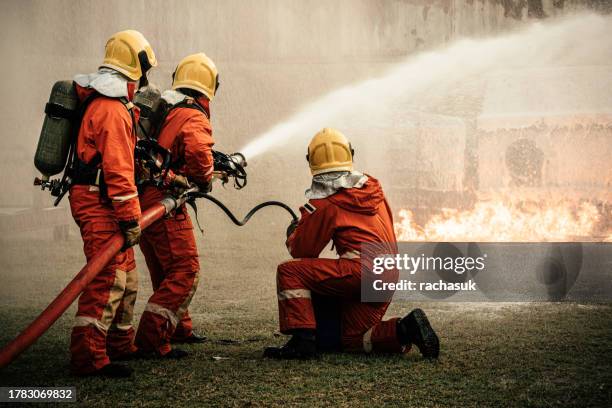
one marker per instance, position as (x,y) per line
(499,221)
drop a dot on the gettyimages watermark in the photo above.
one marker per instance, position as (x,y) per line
(472,272)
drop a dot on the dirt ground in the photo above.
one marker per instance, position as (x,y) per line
(492,354)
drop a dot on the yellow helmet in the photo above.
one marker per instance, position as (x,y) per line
(197,72)
(129,53)
(329,150)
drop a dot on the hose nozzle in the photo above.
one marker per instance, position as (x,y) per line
(232,165)
(238,158)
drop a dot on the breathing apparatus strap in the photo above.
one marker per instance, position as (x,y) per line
(188,102)
(58,111)
(78,172)
(150,143)
(67,180)
(191,103)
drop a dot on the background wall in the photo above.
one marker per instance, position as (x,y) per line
(273,55)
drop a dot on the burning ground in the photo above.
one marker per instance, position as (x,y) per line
(508,221)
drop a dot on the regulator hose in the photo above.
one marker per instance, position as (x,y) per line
(248,216)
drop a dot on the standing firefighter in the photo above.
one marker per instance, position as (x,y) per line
(169,244)
(350,209)
(104,199)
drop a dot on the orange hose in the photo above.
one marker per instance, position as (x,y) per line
(59,305)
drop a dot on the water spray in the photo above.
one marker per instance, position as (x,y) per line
(557,42)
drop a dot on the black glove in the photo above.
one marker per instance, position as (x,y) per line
(292,227)
(131,232)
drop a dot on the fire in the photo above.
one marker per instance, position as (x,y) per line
(498,221)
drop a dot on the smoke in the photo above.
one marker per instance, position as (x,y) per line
(578,40)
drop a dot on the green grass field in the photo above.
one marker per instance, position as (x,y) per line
(494,354)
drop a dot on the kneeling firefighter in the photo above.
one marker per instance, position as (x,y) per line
(104,199)
(319,300)
(169,244)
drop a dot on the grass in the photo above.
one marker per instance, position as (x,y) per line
(496,354)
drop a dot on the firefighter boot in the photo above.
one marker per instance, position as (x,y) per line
(415,329)
(301,346)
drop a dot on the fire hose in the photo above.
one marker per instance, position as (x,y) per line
(248,216)
(59,305)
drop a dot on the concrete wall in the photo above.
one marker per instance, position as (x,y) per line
(273,55)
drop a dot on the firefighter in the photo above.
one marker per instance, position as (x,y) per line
(350,209)
(169,244)
(104,200)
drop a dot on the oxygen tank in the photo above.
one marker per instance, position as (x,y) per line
(54,141)
(148,100)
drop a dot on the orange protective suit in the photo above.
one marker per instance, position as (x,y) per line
(103,324)
(169,244)
(350,217)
